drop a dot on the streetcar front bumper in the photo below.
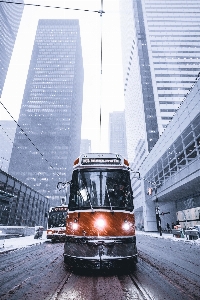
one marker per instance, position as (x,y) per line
(100,253)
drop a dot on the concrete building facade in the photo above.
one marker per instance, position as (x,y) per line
(85,146)
(117,133)
(7,135)
(51,110)
(160,44)
(171,171)
(10,17)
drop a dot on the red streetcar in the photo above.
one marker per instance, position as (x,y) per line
(100,226)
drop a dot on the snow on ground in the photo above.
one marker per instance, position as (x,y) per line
(168,236)
(21,242)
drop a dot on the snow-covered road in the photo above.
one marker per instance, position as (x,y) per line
(168,268)
(20,242)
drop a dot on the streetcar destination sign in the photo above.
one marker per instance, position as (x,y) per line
(101,161)
(59,208)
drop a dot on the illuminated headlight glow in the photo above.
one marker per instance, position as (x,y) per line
(100,223)
(126,226)
(74,226)
(49,232)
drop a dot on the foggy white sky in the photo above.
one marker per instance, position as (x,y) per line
(105,89)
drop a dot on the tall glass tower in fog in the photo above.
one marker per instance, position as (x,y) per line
(161,54)
(117,133)
(51,111)
(10,17)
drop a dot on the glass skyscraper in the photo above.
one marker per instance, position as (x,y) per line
(117,133)
(10,17)
(7,135)
(51,110)
(85,146)
(161,53)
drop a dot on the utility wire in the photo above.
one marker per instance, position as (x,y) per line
(49,6)
(3,157)
(66,8)
(17,149)
(29,139)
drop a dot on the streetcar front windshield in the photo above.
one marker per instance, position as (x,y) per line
(57,219)
(94,188)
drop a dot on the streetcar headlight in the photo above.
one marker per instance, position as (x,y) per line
(126,226)
(74,226)
(100,223)
(49,232)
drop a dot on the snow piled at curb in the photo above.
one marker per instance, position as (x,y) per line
(20,242)
(168,236)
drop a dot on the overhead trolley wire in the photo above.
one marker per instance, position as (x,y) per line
(29,138)
(17,149)
(49,6)
(65,8)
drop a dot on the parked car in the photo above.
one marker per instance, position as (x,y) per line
(197,227)
(192,232)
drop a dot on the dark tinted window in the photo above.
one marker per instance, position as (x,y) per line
(101,189)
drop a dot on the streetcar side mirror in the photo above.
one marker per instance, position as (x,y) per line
(62,185)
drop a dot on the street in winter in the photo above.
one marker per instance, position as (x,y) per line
(99,149)
(167,268)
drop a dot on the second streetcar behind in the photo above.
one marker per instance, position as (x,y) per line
(56,225)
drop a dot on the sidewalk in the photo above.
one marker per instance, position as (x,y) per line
(20,242)
(167,236)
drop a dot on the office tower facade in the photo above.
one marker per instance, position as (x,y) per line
(10,17)
(85,146)
(117,133)
(160,46)
(51,110)
(7,135)
(160,42)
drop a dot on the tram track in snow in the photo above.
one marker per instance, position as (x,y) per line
(40,273)
(58,293)
(103,290)
(141,290)
(172,277)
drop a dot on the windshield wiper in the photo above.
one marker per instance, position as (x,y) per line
(109,199)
